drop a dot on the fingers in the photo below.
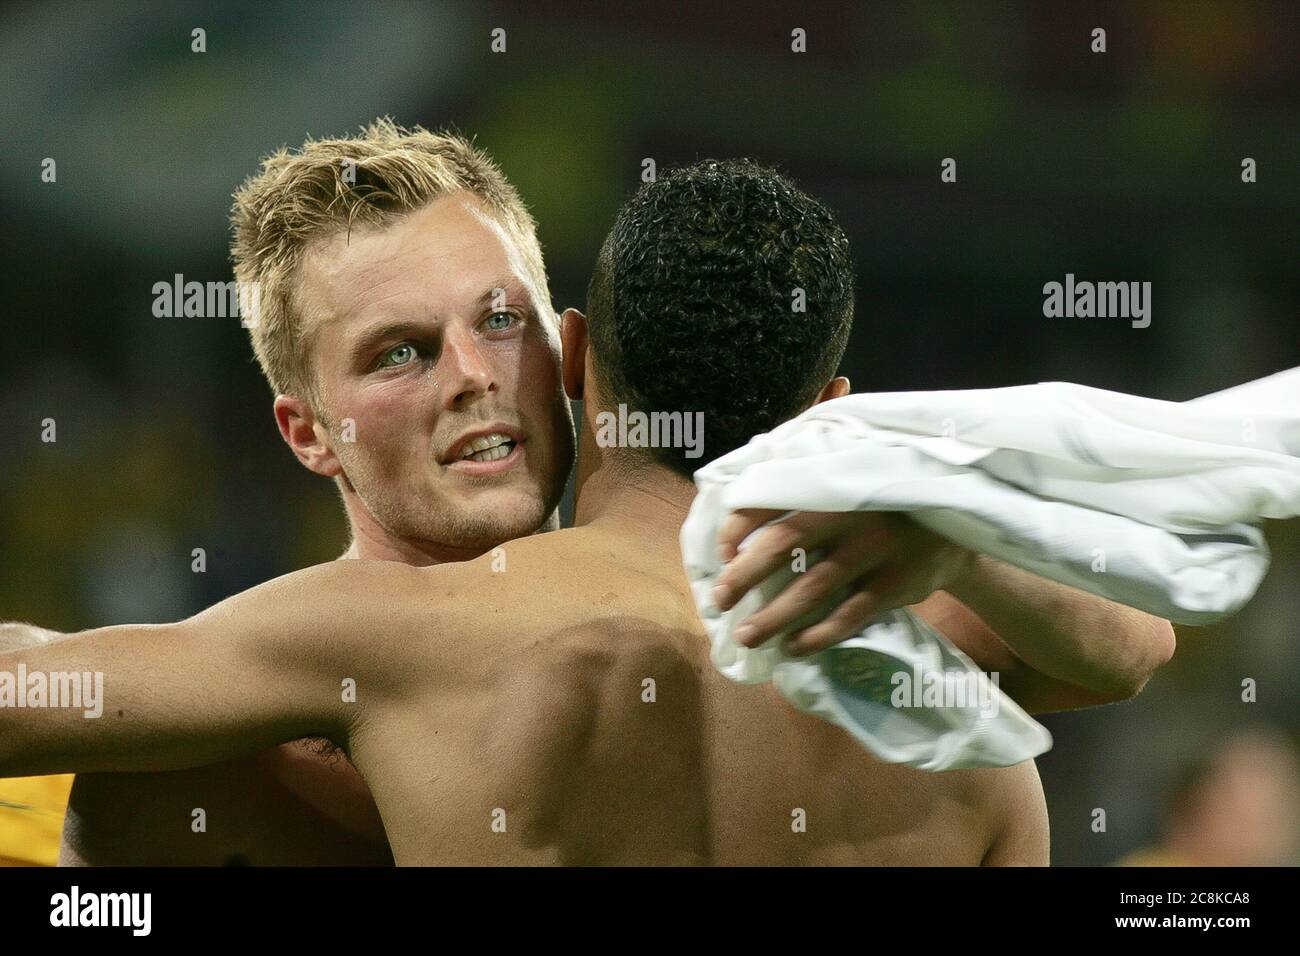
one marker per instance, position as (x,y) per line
(774,546)
(740,525)
(811,590)
(844,622)
(882,556)
(766,552)
(890,586)
(806,592)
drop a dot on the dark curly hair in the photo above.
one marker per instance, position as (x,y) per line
(691,306)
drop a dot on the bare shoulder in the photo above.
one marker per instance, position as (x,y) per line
(336,584)
(323,607)
(384,614)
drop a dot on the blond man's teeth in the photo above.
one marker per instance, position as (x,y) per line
(492,454)
(492,447)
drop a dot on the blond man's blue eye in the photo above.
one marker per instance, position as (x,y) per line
(398,355)
(495,326)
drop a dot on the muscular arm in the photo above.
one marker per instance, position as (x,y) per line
(1056,647)
(258,669)
(291,805)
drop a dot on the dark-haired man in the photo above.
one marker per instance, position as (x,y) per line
(553,701)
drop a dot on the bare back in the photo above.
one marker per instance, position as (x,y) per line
(583,723)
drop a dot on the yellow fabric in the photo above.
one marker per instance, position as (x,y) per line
(1154,856)
(31,819)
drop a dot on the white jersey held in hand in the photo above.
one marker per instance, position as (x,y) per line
(1150,503)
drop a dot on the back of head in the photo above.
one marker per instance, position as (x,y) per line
(721,289)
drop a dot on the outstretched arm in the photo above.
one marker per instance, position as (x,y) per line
(1055,647)
(258,669)
(1071,648)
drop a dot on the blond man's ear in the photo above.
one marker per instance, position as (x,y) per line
(304,433)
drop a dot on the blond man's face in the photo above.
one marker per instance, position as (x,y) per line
(427,334)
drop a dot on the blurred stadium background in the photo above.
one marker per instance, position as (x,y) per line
(1121,166)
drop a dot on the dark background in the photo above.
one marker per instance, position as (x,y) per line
(1122,166)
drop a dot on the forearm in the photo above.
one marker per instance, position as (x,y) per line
(1066,634)
(276,663)
(82,703)
(136,698)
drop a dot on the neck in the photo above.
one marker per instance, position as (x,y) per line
(651,501)
(371,541)
(369,546)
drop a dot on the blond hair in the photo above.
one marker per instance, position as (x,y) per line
(303,195)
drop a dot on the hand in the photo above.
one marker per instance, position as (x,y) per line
(887,558)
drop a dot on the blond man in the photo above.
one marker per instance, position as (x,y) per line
(403,312)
